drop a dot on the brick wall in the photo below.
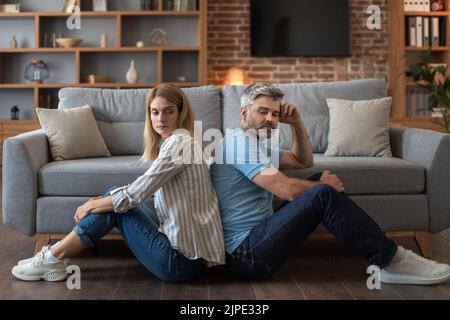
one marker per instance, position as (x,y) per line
(229,46)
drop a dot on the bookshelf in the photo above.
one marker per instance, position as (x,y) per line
(180,60)
(401,56)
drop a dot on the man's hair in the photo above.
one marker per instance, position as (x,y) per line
(260,89)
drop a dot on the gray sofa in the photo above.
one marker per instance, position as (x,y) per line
(407,194)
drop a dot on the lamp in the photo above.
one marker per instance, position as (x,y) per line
(15,113)
(235,76)
(37,71)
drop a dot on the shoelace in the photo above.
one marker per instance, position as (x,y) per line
(39,257)
(415,256)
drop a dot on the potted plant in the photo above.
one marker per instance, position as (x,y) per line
(434,78)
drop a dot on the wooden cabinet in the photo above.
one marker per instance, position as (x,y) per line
(12,128)
(174,49)
(402,56)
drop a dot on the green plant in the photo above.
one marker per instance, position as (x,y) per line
(437,82)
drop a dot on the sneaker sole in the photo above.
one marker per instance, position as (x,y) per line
(393,278)
(51,276)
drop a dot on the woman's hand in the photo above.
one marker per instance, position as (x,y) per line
(82,212)
(98,204)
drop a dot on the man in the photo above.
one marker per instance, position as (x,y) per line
(257,240)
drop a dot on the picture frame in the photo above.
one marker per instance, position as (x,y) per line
(68,5)
(99,5)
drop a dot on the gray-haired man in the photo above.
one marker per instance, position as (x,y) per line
(258,240)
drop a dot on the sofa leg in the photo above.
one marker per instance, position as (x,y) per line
(423,242)
(42,240)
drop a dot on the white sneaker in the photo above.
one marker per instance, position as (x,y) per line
(25,261)
(414,269)
(37,269)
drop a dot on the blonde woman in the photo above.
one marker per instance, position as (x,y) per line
(175,235)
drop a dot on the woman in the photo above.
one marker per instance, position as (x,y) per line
(176,234)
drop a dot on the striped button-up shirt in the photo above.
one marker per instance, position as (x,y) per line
(185,200)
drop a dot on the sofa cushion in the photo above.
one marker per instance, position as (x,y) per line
(311,97)
(120,114)
(368,175)
(91,177)
(88,177)
(359,128)
(72,134)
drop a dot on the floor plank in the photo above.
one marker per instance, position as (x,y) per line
(312,270)
(223,286)
(196,289)
(281,287)
(137,283)
(99,273)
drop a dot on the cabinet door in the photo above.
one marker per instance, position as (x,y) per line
(12,129)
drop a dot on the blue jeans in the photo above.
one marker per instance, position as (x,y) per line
(139,229)
(273,241)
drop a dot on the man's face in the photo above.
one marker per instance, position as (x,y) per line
(264,114)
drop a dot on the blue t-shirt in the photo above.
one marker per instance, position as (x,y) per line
(243,204)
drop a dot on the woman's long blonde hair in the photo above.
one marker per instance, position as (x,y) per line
(173,94)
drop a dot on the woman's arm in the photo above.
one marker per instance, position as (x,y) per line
(94,205)
(171,160)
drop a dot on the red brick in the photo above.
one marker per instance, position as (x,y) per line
(263,68)
(259,75)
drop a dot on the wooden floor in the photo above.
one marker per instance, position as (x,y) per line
(321,269)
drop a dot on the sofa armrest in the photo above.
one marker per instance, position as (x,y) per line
(431,150)
(23,156)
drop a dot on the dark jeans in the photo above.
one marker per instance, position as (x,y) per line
(273,241)
(139,229)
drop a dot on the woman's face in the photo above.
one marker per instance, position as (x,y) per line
(164,116)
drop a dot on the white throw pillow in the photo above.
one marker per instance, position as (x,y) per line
(72,133)
(359,128)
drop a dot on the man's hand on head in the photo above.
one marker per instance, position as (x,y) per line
(289,114)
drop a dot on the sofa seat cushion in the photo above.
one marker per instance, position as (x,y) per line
(369,175)
(360,175)
(88,177)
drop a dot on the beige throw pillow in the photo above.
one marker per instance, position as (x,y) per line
(72,133)
(359,128)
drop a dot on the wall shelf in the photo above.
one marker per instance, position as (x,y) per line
(125,24)
(402,56)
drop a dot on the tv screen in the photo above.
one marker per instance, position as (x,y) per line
(306,28)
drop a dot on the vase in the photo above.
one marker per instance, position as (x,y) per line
(132,74)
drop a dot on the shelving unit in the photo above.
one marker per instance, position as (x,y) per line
(182,60)
(401,57)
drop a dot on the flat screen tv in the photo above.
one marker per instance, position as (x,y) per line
(308,28)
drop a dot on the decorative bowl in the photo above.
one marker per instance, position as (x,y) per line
(68,42)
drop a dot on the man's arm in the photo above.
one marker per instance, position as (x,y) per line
(282,186)
(288,189)
(300,156)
